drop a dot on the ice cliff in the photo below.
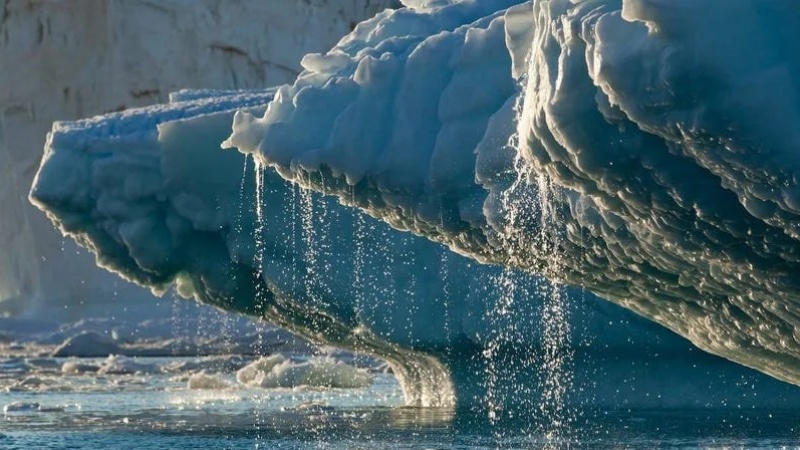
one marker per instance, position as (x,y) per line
(67,60)
(621,147)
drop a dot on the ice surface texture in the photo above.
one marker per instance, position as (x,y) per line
(411,118)
(152,195)
(661,135)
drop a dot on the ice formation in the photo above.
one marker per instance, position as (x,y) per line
(87,344)
(122,365)
(152,195)
(657,135)
(78,368)
(249,373)
(412,118)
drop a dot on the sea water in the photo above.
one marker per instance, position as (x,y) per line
(155,408)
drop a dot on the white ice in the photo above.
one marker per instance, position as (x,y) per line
(279,372)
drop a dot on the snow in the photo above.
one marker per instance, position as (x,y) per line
(412,118)
(78,59)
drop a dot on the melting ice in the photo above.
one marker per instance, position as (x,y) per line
(662,133)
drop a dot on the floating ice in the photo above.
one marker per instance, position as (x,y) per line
(411,118)
(87,344)
(46,364)
(21,407)
(318,372)
(211,364)
(258,368)
(278,372)
(204,381)
(77,368)
(121,365)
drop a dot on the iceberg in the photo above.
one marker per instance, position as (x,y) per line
(516,143)
(641,149)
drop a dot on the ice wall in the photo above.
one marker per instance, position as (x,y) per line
(655,164)
(69,59)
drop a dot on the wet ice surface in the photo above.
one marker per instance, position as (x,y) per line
(181,402)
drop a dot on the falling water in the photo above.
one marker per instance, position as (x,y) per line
(260,300)
(444,275)
(410,259)
(359,233)
(557,351)
(507,352)
(238,223)
(309,236)
(177,320)
(260,242)
(504,350)
(533,224)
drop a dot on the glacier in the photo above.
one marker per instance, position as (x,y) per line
(614,147)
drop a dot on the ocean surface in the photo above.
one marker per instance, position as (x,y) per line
(155,408)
